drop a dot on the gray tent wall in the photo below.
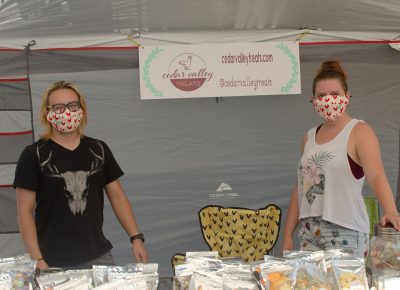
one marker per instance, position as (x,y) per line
(15,133)
(175,153)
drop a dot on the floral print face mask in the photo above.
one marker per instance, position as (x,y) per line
(330,107)
(65,122)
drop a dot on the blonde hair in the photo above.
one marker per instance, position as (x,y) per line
(45,102)
(331,69)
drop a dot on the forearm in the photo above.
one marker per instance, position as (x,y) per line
(292,218)
(124,213)
(380,186)
(27,228)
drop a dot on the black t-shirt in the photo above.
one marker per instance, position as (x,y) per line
(69,197)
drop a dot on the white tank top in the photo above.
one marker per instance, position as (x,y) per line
(326,185)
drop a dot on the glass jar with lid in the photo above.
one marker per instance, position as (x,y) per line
(384,251)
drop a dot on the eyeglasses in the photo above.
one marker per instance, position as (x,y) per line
(60,108)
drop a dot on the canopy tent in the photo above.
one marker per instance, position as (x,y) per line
(71,23)
(176,153)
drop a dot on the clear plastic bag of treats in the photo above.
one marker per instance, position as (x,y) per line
(183,272)
(239,284)
(127,283)
(18,277)
(77,283)
(48,281)
(308,278)
(202,280)
(212,264)
(334,254)
(269,258)
(100,275)
(150,273)
(310,270)
(201,254)
(350,274)
(237,276)
(235,269)
(17,272)
(130,273)
(274,275)
(72,279)
(307,258)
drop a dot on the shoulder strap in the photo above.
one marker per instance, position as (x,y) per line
(311,134)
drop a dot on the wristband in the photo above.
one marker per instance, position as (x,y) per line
(136,237)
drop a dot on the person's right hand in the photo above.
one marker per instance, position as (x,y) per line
(287,244)
(42,265)
(139,252)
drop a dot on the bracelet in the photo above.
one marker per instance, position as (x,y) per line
(139,236)
(40,259)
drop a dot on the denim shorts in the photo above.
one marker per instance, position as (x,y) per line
(318,234)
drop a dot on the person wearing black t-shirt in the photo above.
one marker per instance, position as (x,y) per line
(59,182)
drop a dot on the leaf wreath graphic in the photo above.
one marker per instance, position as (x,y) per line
(294,65)
(146,72)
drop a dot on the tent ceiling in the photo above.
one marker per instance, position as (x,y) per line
(36,18)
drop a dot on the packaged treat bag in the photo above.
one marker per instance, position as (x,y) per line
(150,273)
(17,272)
(48,281)
(100,275)
(204,254)
(350,274)
(310,270)
(77,283)
(307,278)
(275,275)
(183,273)
(237,276)
(130,273)
(335,254)
(71,279)
(202,280)
(243,283)
(307,258)
(124,284)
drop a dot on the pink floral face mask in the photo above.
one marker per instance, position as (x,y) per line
(330,107)
(67,121)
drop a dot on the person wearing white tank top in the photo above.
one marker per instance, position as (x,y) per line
(337,156)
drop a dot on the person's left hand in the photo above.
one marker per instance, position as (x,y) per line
(139,251)
(392,219)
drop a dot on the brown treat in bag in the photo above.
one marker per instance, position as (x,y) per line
(308,281)
(350,273)
(278,281)
(350,281)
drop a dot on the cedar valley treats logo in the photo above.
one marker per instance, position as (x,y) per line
(224,191)
(188,72)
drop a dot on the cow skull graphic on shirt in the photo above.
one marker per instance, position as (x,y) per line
(76,187)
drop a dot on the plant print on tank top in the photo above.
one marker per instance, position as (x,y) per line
(312,175)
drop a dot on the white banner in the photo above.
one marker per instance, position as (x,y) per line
(219,70)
